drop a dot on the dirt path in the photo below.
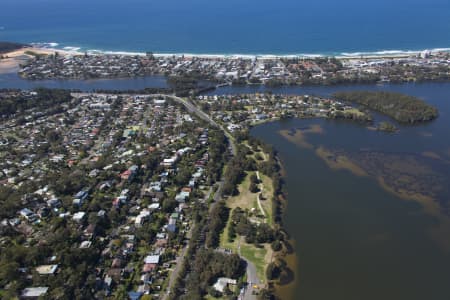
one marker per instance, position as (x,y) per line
(261,185)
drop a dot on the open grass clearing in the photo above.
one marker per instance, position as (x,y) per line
(259,256)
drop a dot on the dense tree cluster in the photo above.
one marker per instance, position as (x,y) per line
(253,233)
(201,266)
(208,266)
(400,107)
(235,172)
(10,201)
(217,221)
(76,278)
(386,126)
(217,155)
(43,99)
(279,270)
(190,83)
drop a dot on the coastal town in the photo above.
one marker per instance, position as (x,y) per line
(153,196)
(240,70)
(224,150)
(122,195)
(115,193)
(100,191)
(239,112)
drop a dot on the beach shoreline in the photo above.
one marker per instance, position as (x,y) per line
(383,54)
(287,71)
(11,61)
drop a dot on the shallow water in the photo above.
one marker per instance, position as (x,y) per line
(356,238)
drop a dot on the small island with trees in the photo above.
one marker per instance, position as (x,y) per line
(402,108)
(387,127)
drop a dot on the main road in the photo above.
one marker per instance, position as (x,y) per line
(252,278)
(190,107)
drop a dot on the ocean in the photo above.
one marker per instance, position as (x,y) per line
(353,239)
(251,27)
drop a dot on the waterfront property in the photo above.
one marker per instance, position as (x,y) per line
(272,72)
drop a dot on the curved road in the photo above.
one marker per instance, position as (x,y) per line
(202,115)
(252,277)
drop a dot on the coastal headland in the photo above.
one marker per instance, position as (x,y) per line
(11,61)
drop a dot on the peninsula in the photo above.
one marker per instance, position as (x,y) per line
(400,107)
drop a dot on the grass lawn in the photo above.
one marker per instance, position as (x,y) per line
(268,195)
(245,198)
(260,257)
(224,243)
(257,256)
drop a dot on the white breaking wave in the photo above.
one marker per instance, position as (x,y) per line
(72,49)
(392,52)
(45,44)
(381,53)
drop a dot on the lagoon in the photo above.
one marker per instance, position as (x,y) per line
(354,239)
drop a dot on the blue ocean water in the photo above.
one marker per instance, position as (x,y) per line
(231,26)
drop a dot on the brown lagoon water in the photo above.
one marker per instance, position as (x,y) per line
(368,210)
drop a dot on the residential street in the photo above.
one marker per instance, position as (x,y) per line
(252,278)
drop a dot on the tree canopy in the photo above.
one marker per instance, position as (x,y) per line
(400,107)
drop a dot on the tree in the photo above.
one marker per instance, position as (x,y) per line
(265,294)
(9,272)
(168,205)
(400,107)
(214,293)
(218,220)
(231,233)
(183,176)
(272,271)
(254,179)
(253,187)
(121,292)
(276,245)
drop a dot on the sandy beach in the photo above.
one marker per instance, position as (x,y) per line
(12,60)
(347,56)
